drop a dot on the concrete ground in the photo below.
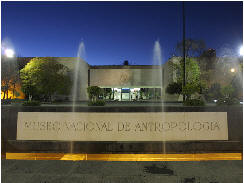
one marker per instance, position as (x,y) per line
(44,171)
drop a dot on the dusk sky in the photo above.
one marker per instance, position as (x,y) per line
(116,31)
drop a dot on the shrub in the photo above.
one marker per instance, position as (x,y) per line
(227,91)
(96,103)
(228,101)
(214,92)
(94,92)
(194,102)
(58,100)
(31,103)
(174,88)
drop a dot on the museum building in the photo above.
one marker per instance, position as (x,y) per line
(118,82)
(121,82)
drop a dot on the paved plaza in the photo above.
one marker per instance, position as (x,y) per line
(43,171)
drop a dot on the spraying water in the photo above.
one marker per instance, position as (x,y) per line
(77,81)
(77,73)
(157,76)
(157,79)
(157,55)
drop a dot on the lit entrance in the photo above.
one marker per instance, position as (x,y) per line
(132,94)
(126,94)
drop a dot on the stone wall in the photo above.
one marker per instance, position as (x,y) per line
(126,77)
(233,144)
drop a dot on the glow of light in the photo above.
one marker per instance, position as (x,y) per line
(137,89)
(241,102)
(232,70)
(9,53)
(10,93)
(215,101)
(117,89)
(241,50)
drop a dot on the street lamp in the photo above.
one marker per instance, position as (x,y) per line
(241,50)
(9,53)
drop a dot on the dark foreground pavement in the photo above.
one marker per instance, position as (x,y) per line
(42,171)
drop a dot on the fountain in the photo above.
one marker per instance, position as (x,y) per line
(114,129)
(157,76)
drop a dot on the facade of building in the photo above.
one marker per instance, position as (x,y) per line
(129,82)
(122,82)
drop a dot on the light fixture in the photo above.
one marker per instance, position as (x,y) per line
(137,89)
(9,53)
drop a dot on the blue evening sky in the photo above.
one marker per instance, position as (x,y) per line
(118,31)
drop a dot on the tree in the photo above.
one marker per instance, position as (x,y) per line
(193,48)
(45,77)
(207,60)
(193,82)
(192,70)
